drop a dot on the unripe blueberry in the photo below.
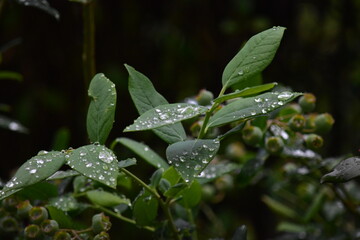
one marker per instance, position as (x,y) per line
(297,122)
(49,227)
(204,97)
(252,135)
(314,141)
(323,123)
(102,236)
(100,223)
(62,235)
(32,231)
(38,214)
(9,204)
(8,224)
(307,102)
(310,122)
(274,145)
(23,209)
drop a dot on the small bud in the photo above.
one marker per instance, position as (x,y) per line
(274,145)
(204,97)
(8,224)
(49,227)
(62,235)
(32,231)
(9,204)
(297,122)
(314,141)
(100,223)
(252,135)
(155,178)
(23,209)
(38,214)
(102,236)
(324,123)
(307,102)
(164,185)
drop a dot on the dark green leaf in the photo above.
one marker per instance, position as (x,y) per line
(172,175)
(127,163)
(155,178)
(316,205)
(251,168)
(42,5)
(39,191)
(145,97)
(246,92)
(240,234)
(254,57)
(173,191)
(213,171)
(96,162)
(280,208)
(66,203)
(189,158)
(144,152)
(61,217)
(191,195)
(106,199)
(165,115)
(145,209)
(11,75)
(100,117)
(250,107)
(344,171)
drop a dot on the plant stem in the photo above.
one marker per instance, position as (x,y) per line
(88,54)
(192,221)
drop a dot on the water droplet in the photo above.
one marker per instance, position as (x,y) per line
(32,171)
(43,152)
(106,157)
(88,165)
(258,100)
(285,96)
(252,113)
(82,153)
(197,167)
(241,72)
(146,149)
(263,111)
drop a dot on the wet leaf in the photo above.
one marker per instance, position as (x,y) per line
(42,5)
(344,171)
(145,97)
(12,125)
(96,162)
(106,199)
(189,158)
(240,233)
(144,152)
(145,209)
(65,203)
(251,168)
(127,163)
(250,107)
(63,174)
(165,115)
(254,57)
(246,92)
(35,170)
(100,117)
(213,171)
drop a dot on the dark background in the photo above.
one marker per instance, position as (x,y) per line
(182,46)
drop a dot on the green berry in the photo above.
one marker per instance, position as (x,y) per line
(100,223)
(32,231)
(252,135)
(310,122)
(314,141)
(274,145)
(323,123)
(297,122)
(307,102)
(204,97)
(102,236)
(23,209)
(49,227)
(9,204)
(62,235)
(38,214)
(8,224)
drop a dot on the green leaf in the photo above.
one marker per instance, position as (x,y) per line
(38,191)
(42,5)
(189,158)
(100,117)
(344,171)
(36,169)
(250,107)
(61,217)
(165,115)
(144,152)
(96,162)
(63,174)
(316,205)
(246,92)
(280,208)
(254,57)
(66,203)
(106,199)
(156,177)
(11,75)
(213,171)
(145,209)
(171,175)
(191,195)
(145,97)
(127,162)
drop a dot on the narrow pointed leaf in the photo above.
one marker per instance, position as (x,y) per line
(96,162)
(63,174)
(144,152)
(250,107)
(254,57)
(246,92)
(127,162)
(106,199)
(213,171)
(101,113)
(36,169)
(344,171)
(42,5)
(165,115)
(189,158)
(145,97)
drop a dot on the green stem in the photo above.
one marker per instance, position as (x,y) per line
(192,221)
(88,55)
